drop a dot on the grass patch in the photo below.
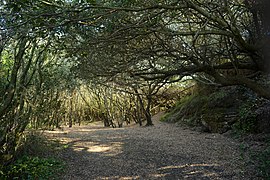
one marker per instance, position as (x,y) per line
(187,110)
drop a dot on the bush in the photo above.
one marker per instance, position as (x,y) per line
(247,122)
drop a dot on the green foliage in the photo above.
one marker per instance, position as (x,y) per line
(247,121)
(32,168)
(243,149)
(264,163)
(6,63)
(32,160)
(218,95)
(221,110)
(187,110)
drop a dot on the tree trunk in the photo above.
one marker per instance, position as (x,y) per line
(138,111)
(148,112)
(70,112)
(9,95)
(105,120)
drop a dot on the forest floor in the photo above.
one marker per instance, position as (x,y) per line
(163,151)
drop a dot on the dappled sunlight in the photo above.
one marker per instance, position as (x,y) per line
(188,165)
(73,138)
(202,165)
(81,129)
(130,154)
(186,171)
(119,177)
(210,174)
(192,170)
(90,129)
(98,149)
(171,167)
(93,129)
(158,175)
(111,149)
(78,149)
(55,132)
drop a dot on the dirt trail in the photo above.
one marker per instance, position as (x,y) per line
(159,152)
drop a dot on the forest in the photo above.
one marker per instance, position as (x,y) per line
(64,63)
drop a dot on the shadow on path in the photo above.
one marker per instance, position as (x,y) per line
(159,152)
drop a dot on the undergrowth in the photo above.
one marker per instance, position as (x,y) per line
(32,168)
(186,110)
(34,160)
(263,160)
(247,121)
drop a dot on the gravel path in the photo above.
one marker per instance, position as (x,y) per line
(159,152)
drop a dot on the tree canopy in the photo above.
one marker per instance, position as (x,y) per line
(48,48)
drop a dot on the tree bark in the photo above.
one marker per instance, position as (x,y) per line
(148,111)
(241,80)
(13,80)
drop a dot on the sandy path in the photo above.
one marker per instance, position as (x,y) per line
(159,152)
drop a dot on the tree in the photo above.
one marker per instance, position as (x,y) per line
(27,95)
(183,38)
